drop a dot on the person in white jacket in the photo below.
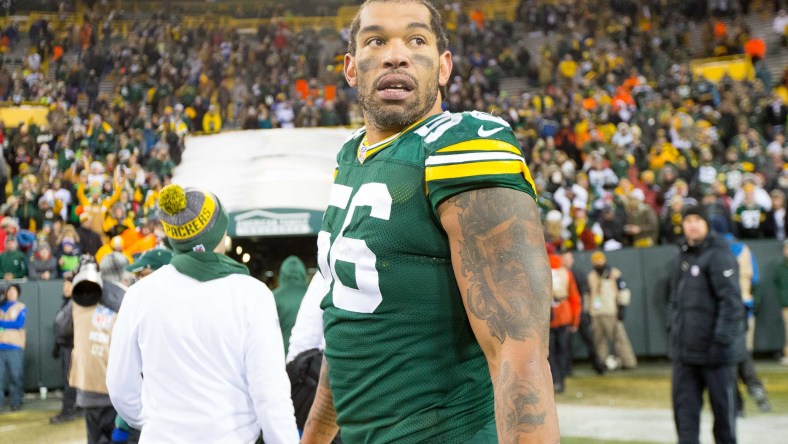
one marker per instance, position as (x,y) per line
(307,331)
(197,353)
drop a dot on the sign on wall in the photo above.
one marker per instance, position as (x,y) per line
(274,222)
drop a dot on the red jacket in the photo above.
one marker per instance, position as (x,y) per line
(565,309)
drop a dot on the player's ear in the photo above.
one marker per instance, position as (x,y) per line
(350,70)
(445,68)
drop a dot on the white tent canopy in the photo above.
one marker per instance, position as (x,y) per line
(273,182)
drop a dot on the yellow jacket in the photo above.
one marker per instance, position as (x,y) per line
(211,123)
(107,202)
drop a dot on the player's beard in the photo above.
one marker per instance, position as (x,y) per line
(396,116)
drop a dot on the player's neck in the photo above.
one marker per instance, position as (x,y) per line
(375,135)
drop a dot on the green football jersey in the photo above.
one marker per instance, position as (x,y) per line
(404,363)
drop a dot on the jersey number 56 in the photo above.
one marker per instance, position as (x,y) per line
(367,297)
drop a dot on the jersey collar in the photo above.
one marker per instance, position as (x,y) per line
(366,151)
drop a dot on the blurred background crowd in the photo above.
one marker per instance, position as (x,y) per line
(620,131)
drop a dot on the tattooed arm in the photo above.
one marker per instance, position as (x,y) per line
(500,263)
(321,425)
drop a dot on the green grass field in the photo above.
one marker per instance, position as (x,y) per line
(649,387)
(646,387)
(598,441)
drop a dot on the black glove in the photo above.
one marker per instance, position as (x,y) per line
(56,351)
(622,310)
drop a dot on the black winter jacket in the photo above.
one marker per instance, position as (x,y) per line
(706,315)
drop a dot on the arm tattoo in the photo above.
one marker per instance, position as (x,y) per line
(503,255)
(322,416)
(516,401)
(324,381)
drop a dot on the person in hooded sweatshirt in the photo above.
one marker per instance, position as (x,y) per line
(288,296)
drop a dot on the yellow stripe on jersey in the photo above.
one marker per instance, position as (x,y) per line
(479,169)
(481,145)
(375,150)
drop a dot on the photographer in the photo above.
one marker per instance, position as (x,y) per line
(64,345)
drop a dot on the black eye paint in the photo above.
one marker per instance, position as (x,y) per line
(365,65)
(425,61)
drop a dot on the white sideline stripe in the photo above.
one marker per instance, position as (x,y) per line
(470,157)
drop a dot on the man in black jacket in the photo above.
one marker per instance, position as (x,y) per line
(707,330)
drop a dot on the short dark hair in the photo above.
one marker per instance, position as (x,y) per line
(436,24)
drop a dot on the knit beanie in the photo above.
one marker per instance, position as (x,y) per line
(598,257)
(697,210)
(193,220)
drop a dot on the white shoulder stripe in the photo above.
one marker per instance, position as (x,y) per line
(355,134)
(470,157)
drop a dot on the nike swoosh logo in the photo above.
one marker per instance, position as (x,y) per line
(487,133)
(728,273)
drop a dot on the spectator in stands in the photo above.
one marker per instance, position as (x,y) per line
(68,260)
(264,119)
(600,176)
(89,240)
(13,263)
(239,95)
(212,121)
(308,115)
(670,225)
(8,227)
(118,219)
(642,223)
(6,80)
(12,344)
(554,232)
(584,234)
(43,265)
(750,217)
(613,219)
(329,115)
(780,26)
(775,224)
(775,116)
(284,113)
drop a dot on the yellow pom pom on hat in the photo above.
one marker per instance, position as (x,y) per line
(193,220)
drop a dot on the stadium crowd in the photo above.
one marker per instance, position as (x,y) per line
(619,134)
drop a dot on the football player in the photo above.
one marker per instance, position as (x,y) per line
(437,284)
